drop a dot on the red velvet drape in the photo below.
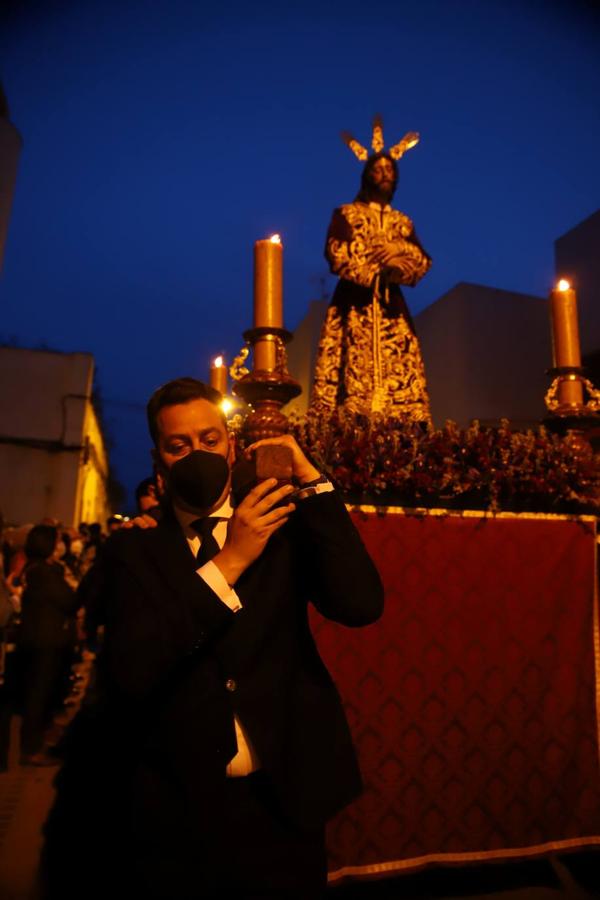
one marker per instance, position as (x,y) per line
(473,701)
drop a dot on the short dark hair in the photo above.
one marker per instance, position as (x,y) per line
(40,542)
(181,390)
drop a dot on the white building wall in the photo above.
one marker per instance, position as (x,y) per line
(486,353)
(52,457)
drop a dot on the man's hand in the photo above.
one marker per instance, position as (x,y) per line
(302,469)
(143,521)
(251,526)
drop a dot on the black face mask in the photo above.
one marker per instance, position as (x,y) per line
(199,478)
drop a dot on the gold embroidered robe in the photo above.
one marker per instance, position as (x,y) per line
(369,359)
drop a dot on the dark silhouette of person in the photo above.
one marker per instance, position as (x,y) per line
(219,747)
(48,611)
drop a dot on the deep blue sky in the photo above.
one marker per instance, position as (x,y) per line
(161,140)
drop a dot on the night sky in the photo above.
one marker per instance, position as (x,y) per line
(162,139)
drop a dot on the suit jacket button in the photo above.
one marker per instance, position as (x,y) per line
(231,685)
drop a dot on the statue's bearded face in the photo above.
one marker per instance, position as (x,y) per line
(379,179)
(381,174)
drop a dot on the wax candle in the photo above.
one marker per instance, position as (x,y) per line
(565,340)
(565,330)
(218,375)
(265,353)
(268,283)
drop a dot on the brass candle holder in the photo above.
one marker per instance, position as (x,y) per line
(265,390)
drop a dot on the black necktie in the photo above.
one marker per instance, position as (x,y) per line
(208,546)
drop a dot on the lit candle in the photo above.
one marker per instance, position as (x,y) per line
(565,340)
(268,283)
(218,375)
(565,331)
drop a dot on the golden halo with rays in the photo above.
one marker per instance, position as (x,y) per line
(410,139)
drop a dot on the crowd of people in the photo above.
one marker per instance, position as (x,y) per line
(48,624)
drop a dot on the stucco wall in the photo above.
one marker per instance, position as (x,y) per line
(486,354)
(53,462)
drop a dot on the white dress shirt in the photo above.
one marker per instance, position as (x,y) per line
(245,761)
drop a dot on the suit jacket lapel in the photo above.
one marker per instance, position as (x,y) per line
(170,550)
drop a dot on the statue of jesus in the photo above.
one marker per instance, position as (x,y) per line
(369,359)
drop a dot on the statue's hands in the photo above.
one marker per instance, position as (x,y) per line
(386,255)
(398,260)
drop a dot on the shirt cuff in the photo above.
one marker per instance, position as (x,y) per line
(213,577)
(319,486)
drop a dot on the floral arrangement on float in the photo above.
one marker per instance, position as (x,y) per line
(390,462)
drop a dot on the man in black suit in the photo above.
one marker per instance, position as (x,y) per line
(233,748)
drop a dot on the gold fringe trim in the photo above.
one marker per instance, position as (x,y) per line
(424,511)
(400,865)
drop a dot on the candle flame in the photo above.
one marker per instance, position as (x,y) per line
(226,405)
(218,362)
(275,238)
(563,285)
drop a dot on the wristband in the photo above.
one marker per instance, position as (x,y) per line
(322,479)
(317,486)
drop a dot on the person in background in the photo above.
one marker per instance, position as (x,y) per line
(93,542)
(15,564)
(114,523)
(8,671)
(70,564)
(70,558)
(48,611)
(146,496)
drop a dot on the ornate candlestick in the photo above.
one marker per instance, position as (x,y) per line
(565,349)
(565,399)
(269,385)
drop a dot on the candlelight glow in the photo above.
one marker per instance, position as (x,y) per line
(218,362)
(275,238)
(226,405)
(563,285)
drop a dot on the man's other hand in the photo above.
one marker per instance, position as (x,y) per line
(143,521)
(252,524)
(303,470)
